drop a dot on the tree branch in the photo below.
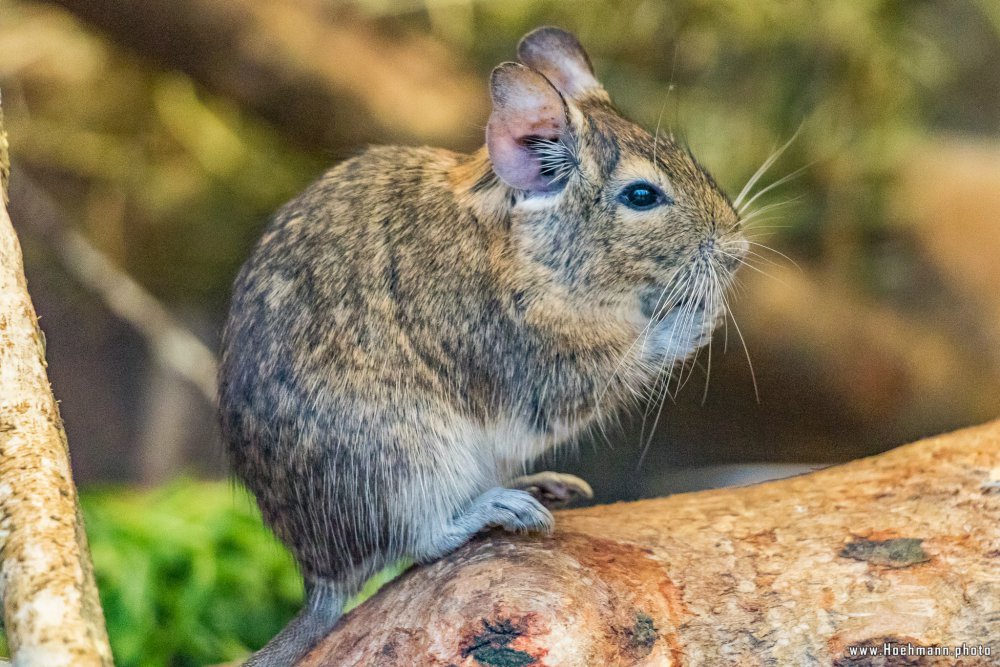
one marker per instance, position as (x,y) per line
(325,80)
(901,548)
(51,611)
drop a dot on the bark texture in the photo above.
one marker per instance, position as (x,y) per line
(901,548)
(52,615)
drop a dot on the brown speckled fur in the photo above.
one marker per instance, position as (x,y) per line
(411,331)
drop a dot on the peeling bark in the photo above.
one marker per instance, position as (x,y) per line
(901,548)
(52,615)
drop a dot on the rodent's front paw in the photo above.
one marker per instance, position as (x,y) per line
(554,489)
(517,511)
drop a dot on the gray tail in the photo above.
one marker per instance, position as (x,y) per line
(323,607)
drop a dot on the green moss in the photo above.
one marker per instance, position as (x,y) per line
(189,575)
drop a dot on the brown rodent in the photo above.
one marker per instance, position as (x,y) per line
(419,325)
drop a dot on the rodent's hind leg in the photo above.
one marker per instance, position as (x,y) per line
(510,509)
(321,610)
(554,489)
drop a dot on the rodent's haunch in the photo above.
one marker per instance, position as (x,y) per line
(419,325)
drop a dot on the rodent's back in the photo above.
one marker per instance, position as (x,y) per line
(342,285)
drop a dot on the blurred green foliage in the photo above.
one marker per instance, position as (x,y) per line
(188,575)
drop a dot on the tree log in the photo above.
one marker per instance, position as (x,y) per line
(900,549)
(51,612)
(326,80)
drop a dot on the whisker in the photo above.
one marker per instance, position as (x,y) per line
(661,399)
(660,310)
(746,351)
(776,252)
(769,207)
(753,254)
(762,169)
(659,118)
(759,270)
(777,183)
(708,373)
(720,290)
(764,231)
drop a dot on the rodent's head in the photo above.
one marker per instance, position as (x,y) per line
(597,204)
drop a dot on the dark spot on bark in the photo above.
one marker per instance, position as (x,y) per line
(389,649)
(641,636)
(895,553)
(492,645)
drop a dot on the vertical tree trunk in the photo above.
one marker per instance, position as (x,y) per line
(51,611)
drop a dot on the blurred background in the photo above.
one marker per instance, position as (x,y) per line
(152,140)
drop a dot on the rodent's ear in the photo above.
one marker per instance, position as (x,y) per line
(558,55)
(527,111)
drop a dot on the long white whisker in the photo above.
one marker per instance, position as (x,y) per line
(776,252)
(752,215)
(746,351)
(719,293)
(659,118)
(753,254)
(764,231)
(762,169)
(759,270)
(781,181)
(708,373)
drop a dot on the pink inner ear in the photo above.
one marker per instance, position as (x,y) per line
(525,105)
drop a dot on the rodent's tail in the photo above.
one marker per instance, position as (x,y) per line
(323,607)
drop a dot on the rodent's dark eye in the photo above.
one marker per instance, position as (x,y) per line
(642,196)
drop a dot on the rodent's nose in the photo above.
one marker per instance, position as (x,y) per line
(707,246)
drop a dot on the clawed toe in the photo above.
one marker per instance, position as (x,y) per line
(520,512)
(554,489)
